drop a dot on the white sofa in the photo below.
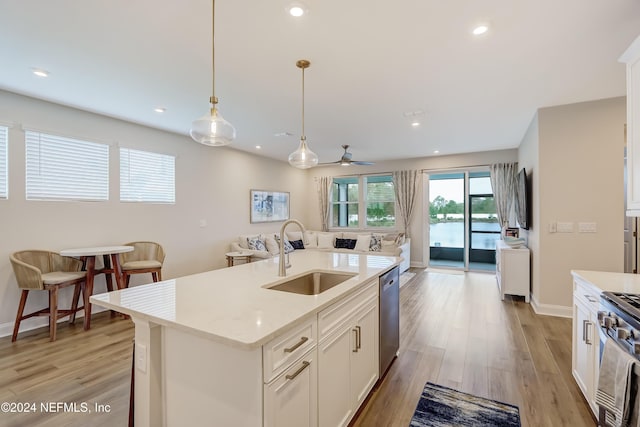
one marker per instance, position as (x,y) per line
(265,245)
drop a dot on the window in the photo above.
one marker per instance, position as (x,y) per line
(369,197)
(147,177)
(59,168)
(344,208)
(4,142)
(381,201)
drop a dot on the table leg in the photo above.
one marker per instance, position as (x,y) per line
(117,271)
(91,268)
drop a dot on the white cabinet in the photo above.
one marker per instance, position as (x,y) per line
(291,378)
(585,361)
(632,58)
(291,400)
(512,270)
(347,356)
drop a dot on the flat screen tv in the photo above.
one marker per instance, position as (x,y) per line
(523,207)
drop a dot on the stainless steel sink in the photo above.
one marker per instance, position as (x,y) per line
(313,283)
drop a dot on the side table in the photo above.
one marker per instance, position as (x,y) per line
(234,257)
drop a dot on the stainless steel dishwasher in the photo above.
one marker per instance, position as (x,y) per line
(389,318)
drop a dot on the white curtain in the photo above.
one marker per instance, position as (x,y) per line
(503,183)
(324,194)
(405,184)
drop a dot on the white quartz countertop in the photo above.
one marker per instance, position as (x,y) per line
(232,306)
(611,282)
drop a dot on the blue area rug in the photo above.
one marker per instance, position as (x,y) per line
(442,407)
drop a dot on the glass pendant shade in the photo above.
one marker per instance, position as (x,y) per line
(303,157)
(212,130)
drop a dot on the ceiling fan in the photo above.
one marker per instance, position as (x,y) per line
(345,160)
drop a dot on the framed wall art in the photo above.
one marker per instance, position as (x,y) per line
(269,206)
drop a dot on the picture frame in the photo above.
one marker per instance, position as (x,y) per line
(269,206)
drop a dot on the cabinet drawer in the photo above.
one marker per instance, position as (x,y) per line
(335,315)
(285,349)
(587,294)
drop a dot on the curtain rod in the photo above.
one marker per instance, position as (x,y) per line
(419,170)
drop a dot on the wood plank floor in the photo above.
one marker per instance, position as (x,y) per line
(455,331)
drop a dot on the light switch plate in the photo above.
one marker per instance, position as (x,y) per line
(587,227)
(565,227)
(141,358)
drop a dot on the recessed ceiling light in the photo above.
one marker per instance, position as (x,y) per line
(258,147)
(415,124)
(40,73)
(436,151)
(159,110)
(480,29)
(296,9)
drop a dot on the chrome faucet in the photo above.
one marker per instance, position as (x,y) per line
(282,268)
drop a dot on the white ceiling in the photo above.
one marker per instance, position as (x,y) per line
(371,63)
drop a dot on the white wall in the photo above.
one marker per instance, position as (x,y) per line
(419,224)
(576,156)
(212,184)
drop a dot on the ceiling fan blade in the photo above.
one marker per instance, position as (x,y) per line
(329,163)
(354,162)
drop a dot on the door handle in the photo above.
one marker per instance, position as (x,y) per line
(358,338)
(584,330)
(587,340)
(355,350)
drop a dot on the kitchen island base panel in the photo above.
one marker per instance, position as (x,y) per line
(199,378)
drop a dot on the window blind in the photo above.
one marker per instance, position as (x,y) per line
(146,177)
(60,168)
(4,142)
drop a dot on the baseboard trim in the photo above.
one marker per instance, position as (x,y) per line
(417,264)
(6,329)
(550,309)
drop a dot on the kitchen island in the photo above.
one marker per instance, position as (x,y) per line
(220,348)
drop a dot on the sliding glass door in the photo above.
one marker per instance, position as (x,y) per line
(463,226)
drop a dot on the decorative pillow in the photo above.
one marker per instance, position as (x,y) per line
(363,242)
(345,243)
(242,240)
(311,239)
(390,237)
(256,244)
(272,245)
(375,244)
(326,240)
(288,248)
(401,239)
(297,244)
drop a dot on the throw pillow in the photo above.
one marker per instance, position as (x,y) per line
(325,241)
(288,248)
(311,239)
(375,244)
(256,244)
(345,243)
(297,244)
(363,242)
(272,245)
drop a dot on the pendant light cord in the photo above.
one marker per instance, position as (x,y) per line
(214,100)
(303,137)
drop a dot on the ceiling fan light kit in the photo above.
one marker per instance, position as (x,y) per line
(303,157)
(212,129)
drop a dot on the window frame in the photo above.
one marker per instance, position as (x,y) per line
(136,191)
(58,155)
(362,203)
(4,162)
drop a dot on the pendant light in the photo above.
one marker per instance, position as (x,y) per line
(211,129)
(303,157)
